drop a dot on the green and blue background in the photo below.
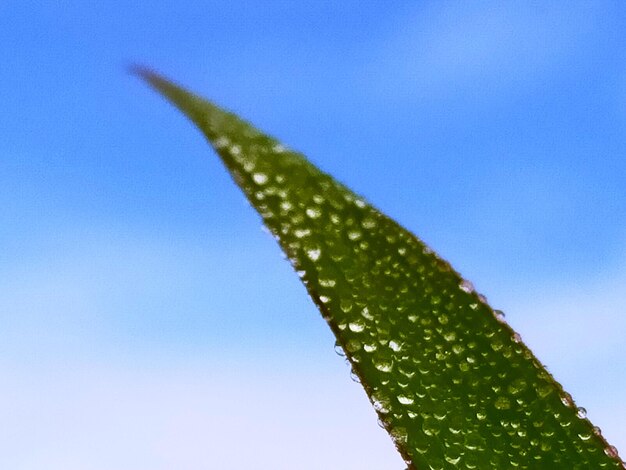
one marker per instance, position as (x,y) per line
(146,322)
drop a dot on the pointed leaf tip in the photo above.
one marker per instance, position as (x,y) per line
(451,382)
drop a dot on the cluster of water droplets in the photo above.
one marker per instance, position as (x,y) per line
(449,379)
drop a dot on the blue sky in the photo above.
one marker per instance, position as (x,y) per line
(145,319)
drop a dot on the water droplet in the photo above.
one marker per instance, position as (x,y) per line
(354,235)
(502,403)
(474,442)
(517,386)
(546,445)
(436,464)
(383,366)
(611,451)
(405,400)
(453,454)
(324,299)
(365,313)
(430,426)
(394,346)
(313,212)
(353,345)
(581,412)
(314,254)
(399,434)
(339,350)
(368,223)
(466,286)
(279,148)
(449,336)
(302,232)
(456,424)
(567,400)
(499,315)
(222,142)
(259,178)
(544,390)
(345,305)
(235,149)
(356,326)
(379,406)
(369,347)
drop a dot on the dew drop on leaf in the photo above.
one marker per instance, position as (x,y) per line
(314,254)
(466,286)
(235,149)
(354,235)
(502,403)
(302,232)
(369,347)
(368,223)
(221,142)
(383,366)
(356,326)
(259,178)
(611,451)
(365,313)
(405,400)
(313,212)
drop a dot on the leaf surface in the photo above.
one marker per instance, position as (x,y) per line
(451,382)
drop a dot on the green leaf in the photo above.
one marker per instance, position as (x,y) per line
(451,382)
